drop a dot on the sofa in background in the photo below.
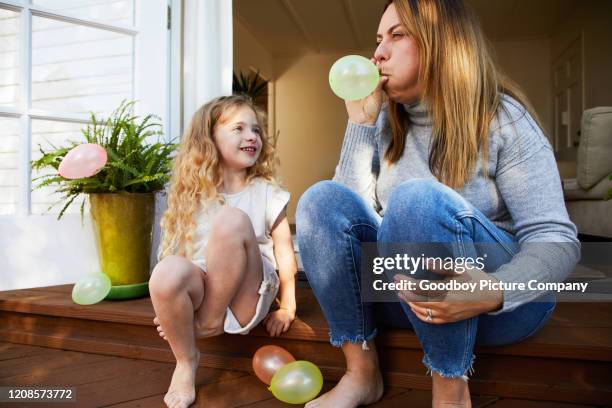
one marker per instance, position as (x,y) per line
(584,194)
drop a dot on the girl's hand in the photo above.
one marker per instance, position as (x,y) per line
(365,111)
(278,322)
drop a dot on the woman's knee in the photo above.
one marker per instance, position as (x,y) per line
(424,199)
(313,209)
(417,209)
(169,276)
(316,198)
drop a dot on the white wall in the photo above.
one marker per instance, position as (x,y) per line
(41,251)
(311,121)
(248,52)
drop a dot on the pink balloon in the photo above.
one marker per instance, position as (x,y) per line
(268,359)
(84,160)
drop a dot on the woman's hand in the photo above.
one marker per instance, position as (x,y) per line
(278,322)
(438,307)
(365,111)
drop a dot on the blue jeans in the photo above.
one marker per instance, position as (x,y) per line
(333,221)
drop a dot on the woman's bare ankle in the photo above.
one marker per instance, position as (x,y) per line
(450,392)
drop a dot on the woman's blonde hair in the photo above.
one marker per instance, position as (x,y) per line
(197,172)
(461,87)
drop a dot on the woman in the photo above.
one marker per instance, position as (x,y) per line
(453,156)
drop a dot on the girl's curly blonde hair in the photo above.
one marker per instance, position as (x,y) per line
(197,173)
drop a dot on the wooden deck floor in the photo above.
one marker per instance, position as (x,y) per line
(111,353)
(107,381)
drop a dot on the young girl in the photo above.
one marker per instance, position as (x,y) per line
(224,234)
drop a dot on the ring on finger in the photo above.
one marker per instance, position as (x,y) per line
(429,317)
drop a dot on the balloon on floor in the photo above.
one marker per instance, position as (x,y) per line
(268,360)
(297,382)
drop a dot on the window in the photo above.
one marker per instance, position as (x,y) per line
(61,59)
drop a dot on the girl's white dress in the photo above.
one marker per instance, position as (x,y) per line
(263,202)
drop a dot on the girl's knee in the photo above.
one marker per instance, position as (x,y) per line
(169,276)
(231,224)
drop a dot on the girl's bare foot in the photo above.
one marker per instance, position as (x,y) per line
(181,393)
(355,388)
(201,331)
(160,331)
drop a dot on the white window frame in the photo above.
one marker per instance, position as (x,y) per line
(67,246)
(147,39)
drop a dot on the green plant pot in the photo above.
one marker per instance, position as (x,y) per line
(119,292)
(123,229)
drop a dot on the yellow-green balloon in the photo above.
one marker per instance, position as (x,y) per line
(353,77)
(297,382)
(91,289)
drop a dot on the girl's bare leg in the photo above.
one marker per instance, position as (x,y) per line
(190,304)
(177,290)
(234,272)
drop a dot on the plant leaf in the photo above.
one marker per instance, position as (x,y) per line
(135,164)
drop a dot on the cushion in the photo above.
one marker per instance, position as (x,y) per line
(572,191)
(595,148)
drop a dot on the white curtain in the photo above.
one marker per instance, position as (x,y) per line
(207,69)
(208,53)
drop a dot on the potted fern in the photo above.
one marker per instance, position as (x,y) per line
(121,195)
(251,85)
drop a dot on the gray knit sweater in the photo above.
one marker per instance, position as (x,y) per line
(522,193)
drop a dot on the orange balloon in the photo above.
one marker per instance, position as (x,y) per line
(268,359)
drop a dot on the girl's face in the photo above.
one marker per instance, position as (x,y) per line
(238,138)
(397,57)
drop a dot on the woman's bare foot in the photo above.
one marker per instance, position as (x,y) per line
(450,392)
(181,393)
(355,388)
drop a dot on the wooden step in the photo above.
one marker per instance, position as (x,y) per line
(570,360)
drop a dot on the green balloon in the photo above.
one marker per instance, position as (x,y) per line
(297,382)
(91,289)
(353,77)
